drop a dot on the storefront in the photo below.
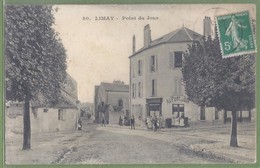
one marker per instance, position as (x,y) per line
(154,106)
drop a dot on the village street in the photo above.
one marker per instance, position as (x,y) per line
(119,144)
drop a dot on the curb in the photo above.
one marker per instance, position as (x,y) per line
(206,154)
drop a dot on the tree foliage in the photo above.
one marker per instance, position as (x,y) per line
(227,84)
(35,59)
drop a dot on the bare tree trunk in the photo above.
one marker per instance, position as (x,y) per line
(233,140)
(249,115)
(225,116)
(241,117)
(26,126)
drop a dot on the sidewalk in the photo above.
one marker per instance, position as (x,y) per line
(212,141)
(218,139)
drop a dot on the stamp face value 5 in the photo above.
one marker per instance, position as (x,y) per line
(235,34)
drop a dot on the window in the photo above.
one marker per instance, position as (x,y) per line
(202,113)
(178,59)
(178,110)
(140,67)
(120,103)
(153,63)
(45,110)
(140,89)
(154,87)
(171,60)
(133,90)
(60,114)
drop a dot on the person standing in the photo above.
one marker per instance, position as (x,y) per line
(103,122)
(80,124)
(120,121)
(132,122)
(155,123)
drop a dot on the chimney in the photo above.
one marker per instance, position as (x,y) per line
(207,27)
(133,44)
(147,35)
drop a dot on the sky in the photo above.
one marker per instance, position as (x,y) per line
(98,50)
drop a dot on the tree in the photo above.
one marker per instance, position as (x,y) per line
(227,84)
(35,59)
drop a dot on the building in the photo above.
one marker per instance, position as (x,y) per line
(61,117)
(111,100)
(156,85)
(14,109)
(45,118)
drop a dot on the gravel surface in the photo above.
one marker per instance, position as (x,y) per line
(115,144)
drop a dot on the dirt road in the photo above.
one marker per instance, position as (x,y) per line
(112,145)
(119,144)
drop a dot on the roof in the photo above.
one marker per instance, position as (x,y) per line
(114,87)
(63,102)
(177,36)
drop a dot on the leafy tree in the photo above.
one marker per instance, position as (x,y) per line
(227,84)
(35,59)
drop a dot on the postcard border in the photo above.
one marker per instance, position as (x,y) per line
(256,2)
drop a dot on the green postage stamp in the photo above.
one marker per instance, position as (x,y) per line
(235,34)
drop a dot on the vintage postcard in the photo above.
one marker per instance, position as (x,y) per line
(130,84)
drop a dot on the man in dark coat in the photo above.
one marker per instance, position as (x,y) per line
(132,122)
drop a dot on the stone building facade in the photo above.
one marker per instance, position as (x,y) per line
(111,100)
(156,85)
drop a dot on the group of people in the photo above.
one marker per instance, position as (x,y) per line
(153,123)
(132,121)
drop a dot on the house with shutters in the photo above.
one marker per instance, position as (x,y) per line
(111,100)
(156,84)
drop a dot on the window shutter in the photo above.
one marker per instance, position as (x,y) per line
(171,60)
(133,69)
(141,89)
(141,67)
(152,90)
(151,63)
(156,63)
(134,90)
(155,87)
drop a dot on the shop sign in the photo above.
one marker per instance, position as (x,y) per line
(177,98)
